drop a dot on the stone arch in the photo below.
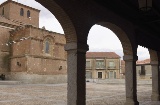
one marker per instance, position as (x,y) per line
(126,44)
(62,17)
(153,55)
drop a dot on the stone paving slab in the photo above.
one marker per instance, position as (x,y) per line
(56,94)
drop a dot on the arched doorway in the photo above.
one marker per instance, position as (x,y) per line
(144,74)
(103,67)
(129,57)
(102,39)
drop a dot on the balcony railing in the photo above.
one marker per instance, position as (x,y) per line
(111,67)
(103,67)
(89,67)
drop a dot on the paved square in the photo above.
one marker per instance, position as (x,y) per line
(56,94)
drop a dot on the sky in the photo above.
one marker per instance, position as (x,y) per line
(99,38)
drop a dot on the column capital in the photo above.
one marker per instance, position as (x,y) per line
(130,58)
(76,46)
(154,62)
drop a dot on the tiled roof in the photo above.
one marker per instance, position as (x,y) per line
(102,55)
(146,61)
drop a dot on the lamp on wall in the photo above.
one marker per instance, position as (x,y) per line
(60,67)
(145,5)
(19,64)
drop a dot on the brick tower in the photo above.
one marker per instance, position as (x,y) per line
(20,13)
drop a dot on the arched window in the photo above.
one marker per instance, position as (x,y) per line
(3,11)
(47,46)
(21,12)
(28,14)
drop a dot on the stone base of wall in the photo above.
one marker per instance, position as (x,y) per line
(36,79)
(144,77)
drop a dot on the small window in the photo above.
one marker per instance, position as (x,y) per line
(21,12)
(28,14)
(3,11)
(111,64)
(47,46)
(88,64)
(100,64)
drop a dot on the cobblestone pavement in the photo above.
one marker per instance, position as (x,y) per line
(56,94)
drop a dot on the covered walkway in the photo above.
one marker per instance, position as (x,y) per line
(135,23)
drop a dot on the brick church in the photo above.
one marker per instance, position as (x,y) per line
(29,53)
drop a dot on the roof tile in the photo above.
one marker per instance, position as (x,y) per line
(146,61)
(102,55)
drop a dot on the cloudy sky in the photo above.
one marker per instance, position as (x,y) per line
(99,38)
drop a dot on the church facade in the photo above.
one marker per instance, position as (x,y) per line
(29,53)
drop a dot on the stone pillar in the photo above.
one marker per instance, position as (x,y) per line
(155,81)
(130,80)
(76,60)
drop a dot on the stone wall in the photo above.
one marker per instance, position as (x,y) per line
(25,56)
(148,72)
(46,66)
(35,78)
(28,55)
(4,50)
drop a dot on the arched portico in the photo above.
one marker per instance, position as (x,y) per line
(76,31)
(130,62)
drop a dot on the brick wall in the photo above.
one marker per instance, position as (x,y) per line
(6,10)
(12,12)
(30,52)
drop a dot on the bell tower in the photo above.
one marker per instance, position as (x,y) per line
(20,13)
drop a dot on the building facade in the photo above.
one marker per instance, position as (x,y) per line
(102,65)
(29,53)
(122,69)
(144,69)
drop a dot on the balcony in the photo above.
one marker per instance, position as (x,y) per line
(88,67)
(101,68)
(111,67)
